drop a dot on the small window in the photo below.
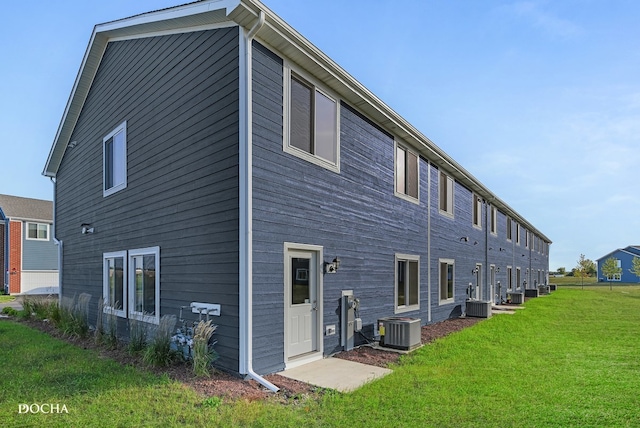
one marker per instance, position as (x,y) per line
(313,124)
(526,238)
(518,278)
(144,280)
(517,234)
(114,153)
(406,172)
(477,211)
(115,282)
(38,231)
(446,281)
(446,194)
(494,220)
(407,282)
(509,278)
(509,229)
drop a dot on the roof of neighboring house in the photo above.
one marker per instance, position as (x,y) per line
(282,37)
(25,208)
(632,250)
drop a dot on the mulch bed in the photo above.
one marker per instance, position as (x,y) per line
(225,385)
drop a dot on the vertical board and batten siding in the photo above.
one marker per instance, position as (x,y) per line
(353,215)
(179,95)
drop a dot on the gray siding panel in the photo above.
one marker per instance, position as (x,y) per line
(38,255)
(179,96)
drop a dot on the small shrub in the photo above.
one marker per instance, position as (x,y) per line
(203,353)
(158,352)
(39,307)
(137,336)
(8,310)
(212,402)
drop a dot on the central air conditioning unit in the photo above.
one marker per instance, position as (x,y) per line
(399,332)
(478,309)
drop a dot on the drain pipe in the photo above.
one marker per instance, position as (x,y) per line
(246,210)
(57,241)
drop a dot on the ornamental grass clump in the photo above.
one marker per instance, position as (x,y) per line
(158,352)
(137,336)
(203,353)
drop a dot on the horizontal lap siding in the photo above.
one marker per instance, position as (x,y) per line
(39,255)
(179,96)
(353,215)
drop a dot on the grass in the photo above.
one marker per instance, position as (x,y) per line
(5,298)
(568,359)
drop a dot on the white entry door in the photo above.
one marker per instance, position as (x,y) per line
(302,305)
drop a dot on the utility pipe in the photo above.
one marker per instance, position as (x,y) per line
(56,240)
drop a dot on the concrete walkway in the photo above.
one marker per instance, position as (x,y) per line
(336,373)
(15,304)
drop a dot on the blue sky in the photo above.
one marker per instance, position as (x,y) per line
(539,100)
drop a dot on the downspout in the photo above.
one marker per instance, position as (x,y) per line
(487,270)
(5,261)
(56,240)
(429,241)
(246,209)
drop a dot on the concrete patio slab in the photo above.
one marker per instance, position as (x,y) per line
(336,373)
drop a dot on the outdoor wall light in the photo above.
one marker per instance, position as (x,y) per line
(475,242)
(498,270)
(72,144)
(465,239)
(86,228)
(503,249)
(332,267)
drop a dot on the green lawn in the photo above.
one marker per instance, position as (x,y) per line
(4,298)
(568,359)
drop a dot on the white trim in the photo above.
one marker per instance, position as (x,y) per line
(173,31)
(401,195)
(406,258)
(286,108)
(318,354)
(122,128)
(155,251)
(105,283)
(446,212)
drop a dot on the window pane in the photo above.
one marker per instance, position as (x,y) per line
(300,291)
(449,281)
(401,282)
(412,175)
(32,231)
(108,164)
(300,116)
(400,170)
(413,283)
(442,190)
(145,284)
(119,159)
(326,128)
(42,231)
(443,281)
(449,195)
(116,282)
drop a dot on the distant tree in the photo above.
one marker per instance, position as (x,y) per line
(581,269)
(610,269)
(561,271)
(635,267)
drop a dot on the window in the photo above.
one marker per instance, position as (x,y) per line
(446,194)
(526,238)
(406,172)
(494,220)
(131,283)
(477,211)
(446,280)
(509,278)
(518,277)
(115,282)
(313,124)
(509,231)
(407,282)
(517,234)
(38,231)
(114,153)
(144,280)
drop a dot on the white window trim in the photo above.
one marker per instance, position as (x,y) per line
(517,233)
(453,192)
(106,192)
(476,202)
(509,278)
(36,238)
(494,221)
(509,229)
(154,319)
(395,176)
(453,298)
(105,283)
(408,258)
(286,147)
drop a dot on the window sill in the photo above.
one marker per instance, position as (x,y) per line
(403,309)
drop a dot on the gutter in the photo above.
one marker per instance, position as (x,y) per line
(56,240)
(246,208)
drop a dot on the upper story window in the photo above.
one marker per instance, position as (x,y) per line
(494,220)
(517,233)
(38,231)
(114,154)
(526,238)
(446,194)
(477,210)
(509,229)
(406,172)
(312,123)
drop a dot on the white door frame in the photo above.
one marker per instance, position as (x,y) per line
(317,251)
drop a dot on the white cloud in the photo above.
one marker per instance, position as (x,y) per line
(545,20)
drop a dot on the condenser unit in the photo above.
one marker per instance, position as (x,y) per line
(478,309)
(399,332)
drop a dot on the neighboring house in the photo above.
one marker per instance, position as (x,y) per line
(28,254)
(210,153)
(624,259)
